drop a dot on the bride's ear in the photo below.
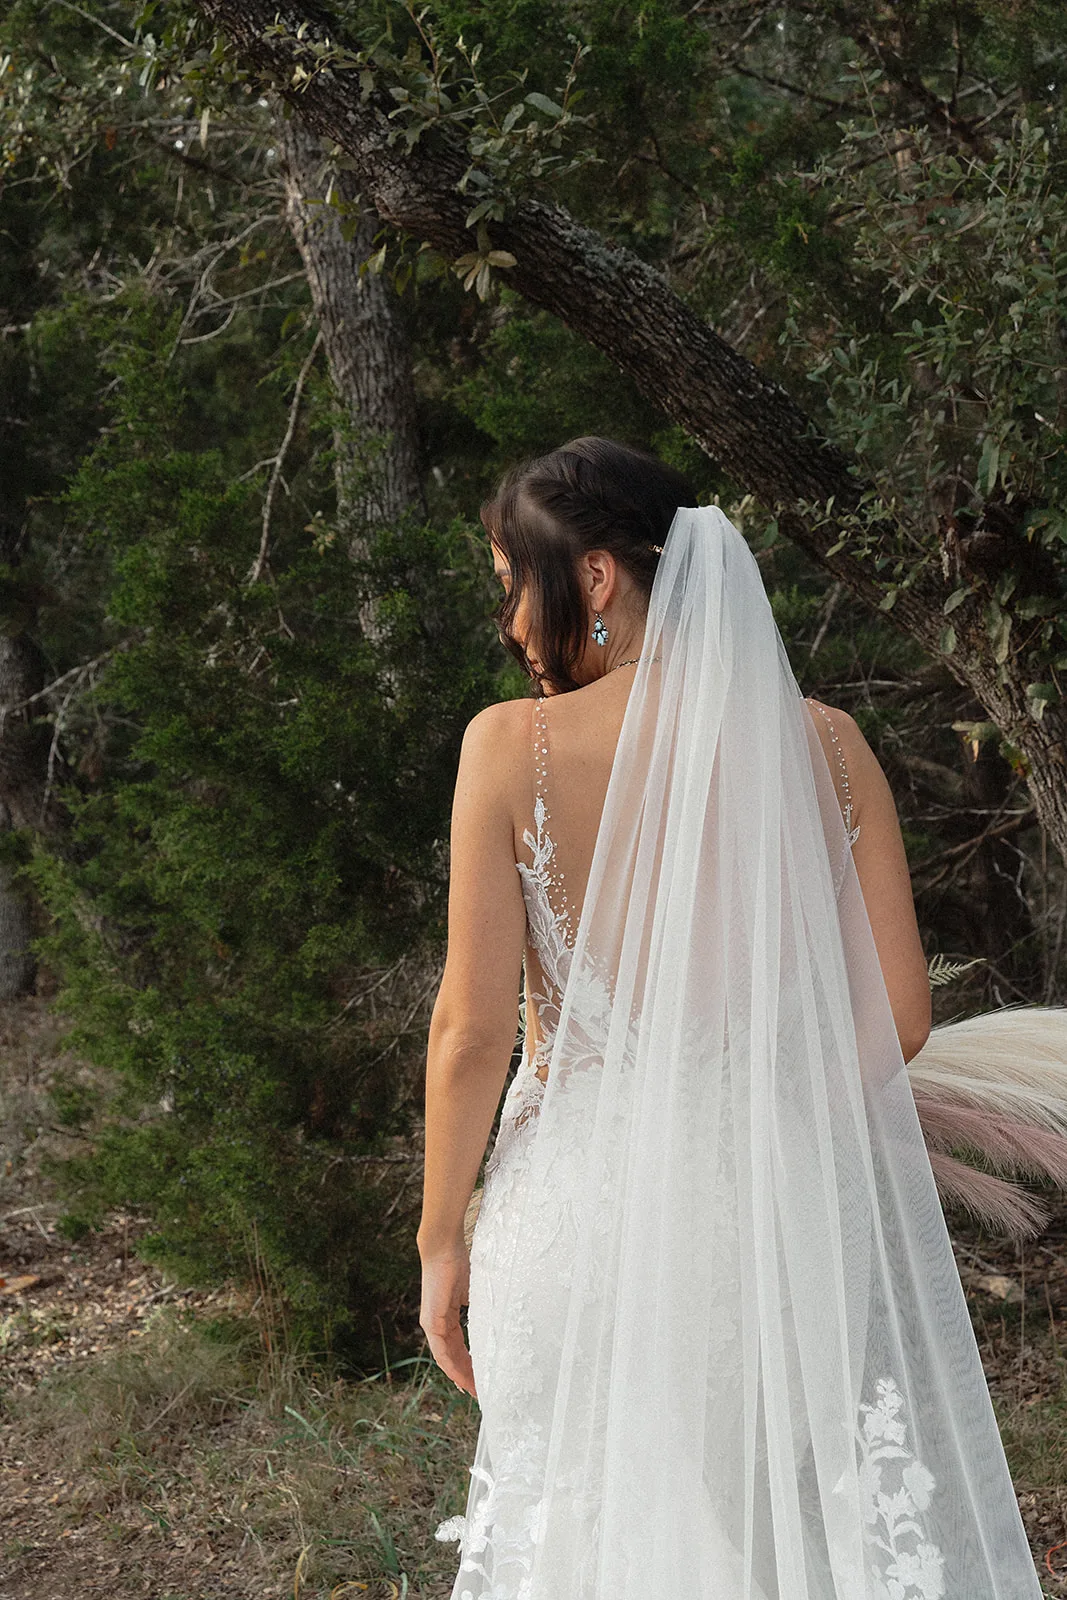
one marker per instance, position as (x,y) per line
(597,574)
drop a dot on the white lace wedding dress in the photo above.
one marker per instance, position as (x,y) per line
(720,1344)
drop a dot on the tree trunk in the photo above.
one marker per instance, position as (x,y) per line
(743,419)
(23,770)
(376,451)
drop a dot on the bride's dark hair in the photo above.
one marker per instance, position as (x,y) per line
(590,494)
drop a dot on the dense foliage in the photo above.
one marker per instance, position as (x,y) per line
(262,844)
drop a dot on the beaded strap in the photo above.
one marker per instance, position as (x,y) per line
(852,832)
(541,811)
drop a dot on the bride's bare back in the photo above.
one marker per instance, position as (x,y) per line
(571,741)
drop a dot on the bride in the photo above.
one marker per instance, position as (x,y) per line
(717,1333)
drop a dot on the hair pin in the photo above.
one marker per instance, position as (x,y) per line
(658,548)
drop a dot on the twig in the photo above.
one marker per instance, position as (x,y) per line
(172,1402)
(244,294)
(260,561)
(45,1205)
(160,1294)
(49,688)
(979,1261)
(996,832)
(832,598)
(1050,987)
(215,255)
(97,22)
(792,88)
(202,338)
(53,750)
(364,994)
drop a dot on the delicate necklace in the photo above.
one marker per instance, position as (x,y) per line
(631,662)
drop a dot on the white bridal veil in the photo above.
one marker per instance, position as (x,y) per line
(742,1366)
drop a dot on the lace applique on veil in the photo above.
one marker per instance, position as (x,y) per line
(902,1561)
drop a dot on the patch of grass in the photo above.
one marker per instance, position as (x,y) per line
(30,1326)
(1034,1431)
(283,1473)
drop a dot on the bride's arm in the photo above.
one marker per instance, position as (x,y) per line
(475,1016)
(885,880)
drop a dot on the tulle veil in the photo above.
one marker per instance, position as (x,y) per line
(756,1377)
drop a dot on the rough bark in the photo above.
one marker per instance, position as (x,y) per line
(743,419)
(26,755)
(376,454)
(23,774)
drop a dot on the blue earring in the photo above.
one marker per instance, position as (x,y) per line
(600,632)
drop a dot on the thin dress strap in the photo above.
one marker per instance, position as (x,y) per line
(540,749)
(852,831)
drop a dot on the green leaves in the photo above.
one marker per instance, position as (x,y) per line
(956,598)
(541,102)
(1039,695)
(257,800)
(989,463)
(476,267)
(946,384)
(513,135)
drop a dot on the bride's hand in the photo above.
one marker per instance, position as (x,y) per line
(445,1282)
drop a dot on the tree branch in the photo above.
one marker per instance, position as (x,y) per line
(743,418)
(793,88)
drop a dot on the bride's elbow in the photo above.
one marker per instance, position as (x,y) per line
(914,1022)
(911,1001)
(912,1041)
(465,1041)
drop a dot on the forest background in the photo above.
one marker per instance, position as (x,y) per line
(282,291)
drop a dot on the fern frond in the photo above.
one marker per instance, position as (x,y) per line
(941,970)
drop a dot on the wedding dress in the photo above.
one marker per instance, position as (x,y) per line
(720,1343)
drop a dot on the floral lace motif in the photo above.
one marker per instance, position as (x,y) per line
(904,1564)
(547,930)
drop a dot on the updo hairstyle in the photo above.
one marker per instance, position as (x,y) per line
(590,494)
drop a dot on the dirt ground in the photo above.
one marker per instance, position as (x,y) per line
(64,1304)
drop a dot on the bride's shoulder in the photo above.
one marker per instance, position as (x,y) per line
(838,731)
(496,739)
(504,719)
(828,717)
